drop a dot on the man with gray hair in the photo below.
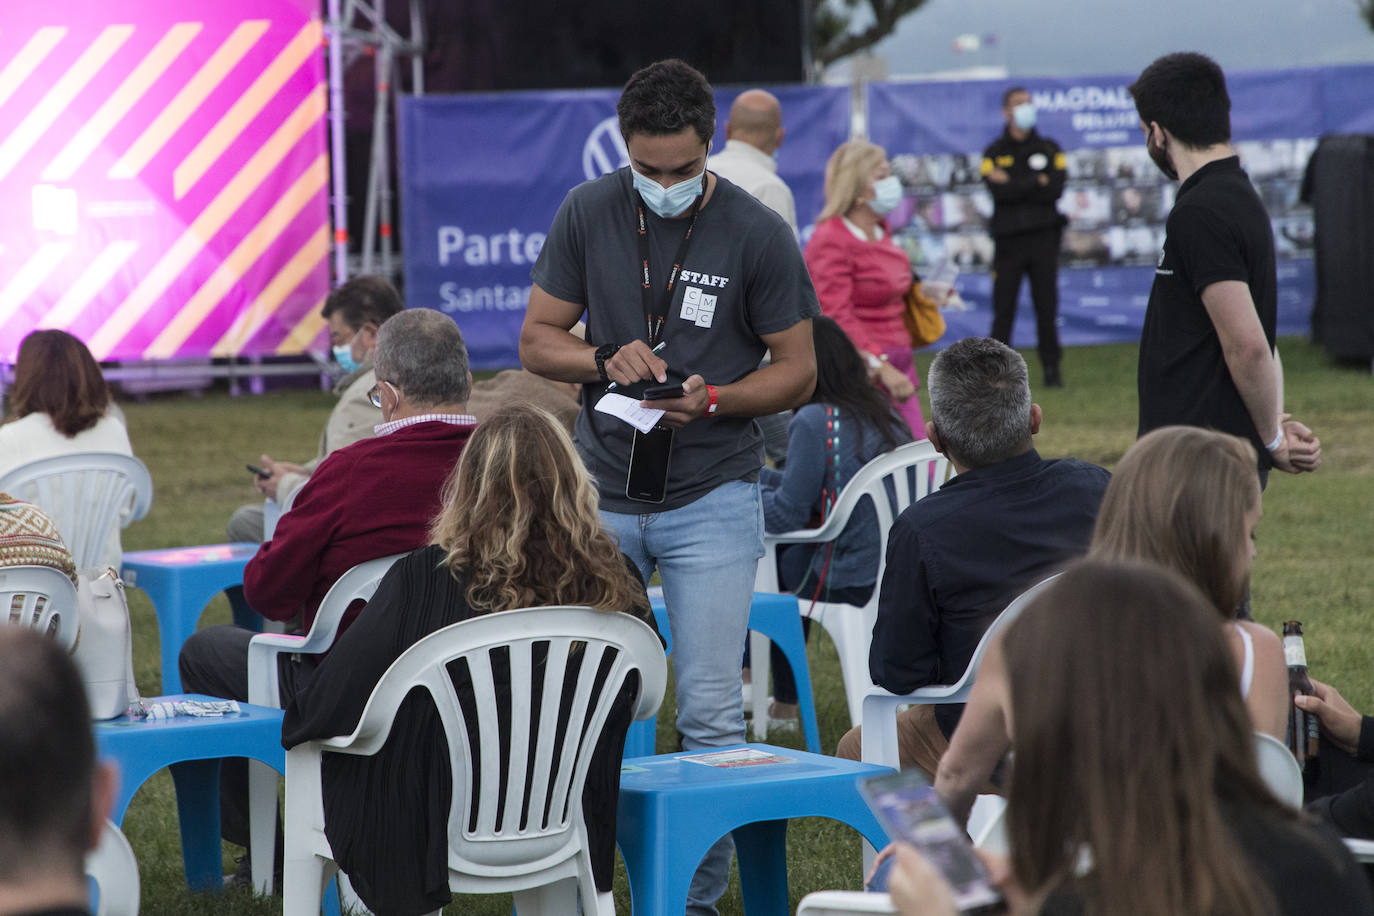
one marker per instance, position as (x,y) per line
(368,500)
(956,558)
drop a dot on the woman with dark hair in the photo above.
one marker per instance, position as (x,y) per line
(518,527)
(60,405)
(1135,787)
(846,424)
(1187,499)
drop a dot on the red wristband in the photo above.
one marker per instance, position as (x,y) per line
(711,404)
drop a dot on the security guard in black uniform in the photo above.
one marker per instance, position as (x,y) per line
(1025,173)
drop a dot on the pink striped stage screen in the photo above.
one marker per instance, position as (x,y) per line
(163,176)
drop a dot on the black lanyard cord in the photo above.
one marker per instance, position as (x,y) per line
(654,319)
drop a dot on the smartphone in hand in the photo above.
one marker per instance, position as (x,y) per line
(662,392)
(261,472)
(906,805)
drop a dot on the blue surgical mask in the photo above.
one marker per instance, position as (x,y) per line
(1023,116)
(887,194)
(343,355)
(672,200)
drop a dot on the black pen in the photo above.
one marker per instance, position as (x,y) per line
(656,350)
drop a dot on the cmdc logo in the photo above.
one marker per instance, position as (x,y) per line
(604,150)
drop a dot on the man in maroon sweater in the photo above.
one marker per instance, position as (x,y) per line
(368,500)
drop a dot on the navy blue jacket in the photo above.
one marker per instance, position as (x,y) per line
(957,557)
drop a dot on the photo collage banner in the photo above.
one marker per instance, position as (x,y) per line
(1116,200)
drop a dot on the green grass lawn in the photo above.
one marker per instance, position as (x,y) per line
(1313,563)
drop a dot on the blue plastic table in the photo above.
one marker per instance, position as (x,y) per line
(672,810)
(180,581)
(192,748)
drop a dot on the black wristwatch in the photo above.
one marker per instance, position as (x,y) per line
(603,353)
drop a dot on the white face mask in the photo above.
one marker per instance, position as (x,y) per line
(1023,116)
(672,200)
(887,194)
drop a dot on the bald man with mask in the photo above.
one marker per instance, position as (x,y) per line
(752,136)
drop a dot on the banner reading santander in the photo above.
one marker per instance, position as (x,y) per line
(483,175)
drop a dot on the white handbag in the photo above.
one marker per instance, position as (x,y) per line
(104,650)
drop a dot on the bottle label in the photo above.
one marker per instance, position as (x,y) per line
(1293,651)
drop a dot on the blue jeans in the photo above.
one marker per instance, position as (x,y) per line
(707,554)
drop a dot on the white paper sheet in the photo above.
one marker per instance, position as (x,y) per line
(628,409)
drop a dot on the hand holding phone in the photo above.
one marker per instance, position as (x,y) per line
(662,392)
(681,404)
(906,805)
(260,472)
(917,885)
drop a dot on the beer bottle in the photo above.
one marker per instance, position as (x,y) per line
(1304,728)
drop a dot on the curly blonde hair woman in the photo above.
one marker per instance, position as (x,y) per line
(519,521)
(518,527)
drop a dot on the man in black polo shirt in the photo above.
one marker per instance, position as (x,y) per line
(958,556)
(1025,174)
(1207,351)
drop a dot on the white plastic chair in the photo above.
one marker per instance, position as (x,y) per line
(547,861)
(115,871)
(880,706)
(271,514)
(892,482)
(272,511)
(89,496)
(40,597)
(1279,769)
(844,903)
(879,736)
(358,584)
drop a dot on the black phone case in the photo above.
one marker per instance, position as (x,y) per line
(662,392)
(650,454)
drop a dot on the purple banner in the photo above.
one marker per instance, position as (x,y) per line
(163,176)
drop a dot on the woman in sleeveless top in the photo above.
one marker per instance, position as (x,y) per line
(1189,499)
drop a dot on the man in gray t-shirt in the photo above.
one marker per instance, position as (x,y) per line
(663,253)
(743,277)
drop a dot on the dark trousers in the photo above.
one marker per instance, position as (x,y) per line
(214,661)
(1033,254)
